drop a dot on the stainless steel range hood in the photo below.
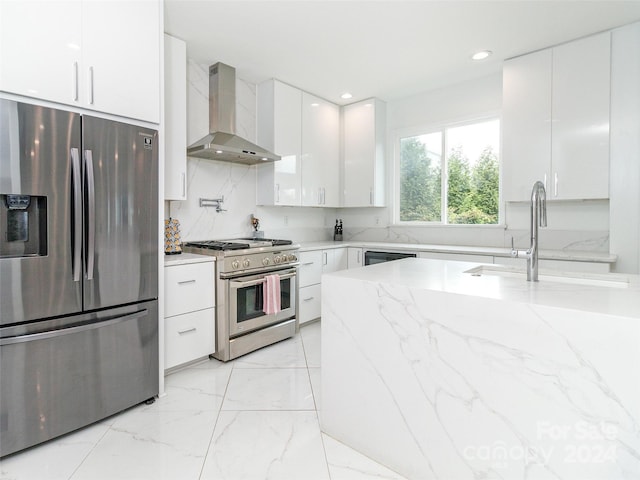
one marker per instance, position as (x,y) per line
(222,143)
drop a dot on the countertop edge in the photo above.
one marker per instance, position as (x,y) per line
(566,255)
(187,258)
(453,278)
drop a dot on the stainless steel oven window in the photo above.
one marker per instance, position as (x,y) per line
(245,301)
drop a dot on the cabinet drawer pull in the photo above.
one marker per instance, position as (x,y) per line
(307,263)
(308,299)
(184,282)
(182,332)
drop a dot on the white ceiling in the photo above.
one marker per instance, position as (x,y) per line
(387,49)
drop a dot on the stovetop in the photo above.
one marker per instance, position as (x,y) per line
(240,256)
(238,243)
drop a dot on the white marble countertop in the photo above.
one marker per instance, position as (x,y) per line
(567,255)
(449,277)
(185,258)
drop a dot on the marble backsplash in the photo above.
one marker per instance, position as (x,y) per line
(574,240)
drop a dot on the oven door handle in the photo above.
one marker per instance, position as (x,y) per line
(251,283)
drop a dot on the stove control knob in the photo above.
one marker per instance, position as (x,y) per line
(277,260)
(266,261)
(246,263)
(292,258)
(235,264)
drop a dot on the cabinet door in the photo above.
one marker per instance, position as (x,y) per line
(526,124)
(189,337)
(355,257)
(40,44)
(581,95)
(334,259)
(280,130)
(287,143)
(310,302)
(310,268)
(121,58)
(188,288)
(320,152)
(363,156)
(175,119)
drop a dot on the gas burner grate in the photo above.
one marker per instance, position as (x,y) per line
(274,242)
(217,245)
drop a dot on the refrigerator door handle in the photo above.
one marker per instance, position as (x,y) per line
(91,213)
(30,337)
(76,260)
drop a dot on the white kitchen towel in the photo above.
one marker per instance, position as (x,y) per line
(271,294)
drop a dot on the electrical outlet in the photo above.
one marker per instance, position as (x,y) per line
(377,220)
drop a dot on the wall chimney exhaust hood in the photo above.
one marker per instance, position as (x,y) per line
(222,143)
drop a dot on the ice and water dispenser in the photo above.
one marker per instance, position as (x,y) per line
(23,220)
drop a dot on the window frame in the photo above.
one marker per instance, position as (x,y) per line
(442,128)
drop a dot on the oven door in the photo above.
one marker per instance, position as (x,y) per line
(246,301)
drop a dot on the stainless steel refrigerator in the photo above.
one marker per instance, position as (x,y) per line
(78,271)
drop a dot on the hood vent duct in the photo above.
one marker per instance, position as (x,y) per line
(222,143)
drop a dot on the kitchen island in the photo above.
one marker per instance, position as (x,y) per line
(443,374)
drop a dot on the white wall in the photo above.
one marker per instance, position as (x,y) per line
(571,225)
(237,183)
(625,148)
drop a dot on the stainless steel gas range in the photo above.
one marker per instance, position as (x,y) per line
(242,267)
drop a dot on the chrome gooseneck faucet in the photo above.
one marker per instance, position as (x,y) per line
(538,218)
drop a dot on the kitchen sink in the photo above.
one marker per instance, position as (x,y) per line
(576,278)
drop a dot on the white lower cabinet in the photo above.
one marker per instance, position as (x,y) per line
(188,337)
(355,257)
(313,264)
(189,308)
(334,259)
(309,303)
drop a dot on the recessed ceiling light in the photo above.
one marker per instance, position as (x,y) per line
(346,96)
(315,104)
(218,152)
(481,55)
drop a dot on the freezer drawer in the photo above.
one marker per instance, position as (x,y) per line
(54,381)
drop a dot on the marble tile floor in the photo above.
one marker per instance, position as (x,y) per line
(253,418)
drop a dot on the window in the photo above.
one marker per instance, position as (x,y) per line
(468,192)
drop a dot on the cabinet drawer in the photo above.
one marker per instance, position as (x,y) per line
(188,288)
(310,268)
(309,303)
(189,337)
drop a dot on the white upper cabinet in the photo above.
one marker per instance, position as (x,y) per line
(305,131)
(556,121)
(280,131)
(580,107)
(526,123)
(40,49)
(102,56)
(320,152)
(363,155)
(121,57)
(175,119)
